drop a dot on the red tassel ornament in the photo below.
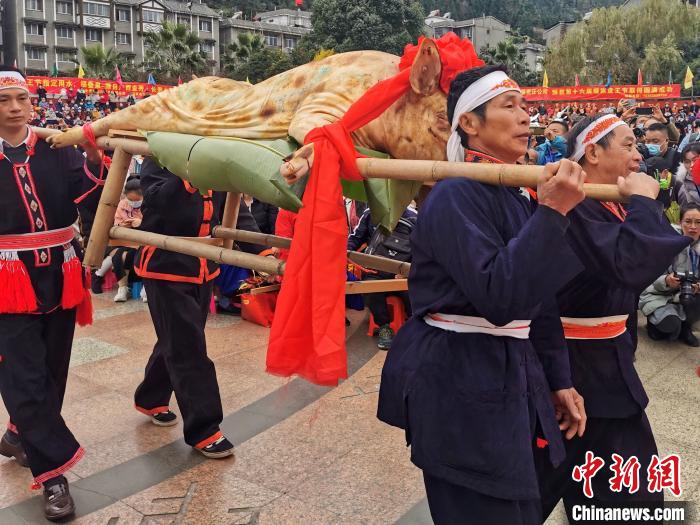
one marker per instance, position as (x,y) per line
(16,291)
(73,289)
(84,312)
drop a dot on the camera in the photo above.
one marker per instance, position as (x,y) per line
(687,279)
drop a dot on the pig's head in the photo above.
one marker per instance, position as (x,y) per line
(416,125)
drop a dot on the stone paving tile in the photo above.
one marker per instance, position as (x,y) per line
(116,514)
(89,349)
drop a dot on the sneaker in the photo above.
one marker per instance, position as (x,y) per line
(58,503)
(122,294)
(96,283)
(386,336)
(164,419)
(221,448)
(144,298)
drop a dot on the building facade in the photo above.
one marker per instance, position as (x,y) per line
(281,28)
(484,31)
(48,32)
(553,35)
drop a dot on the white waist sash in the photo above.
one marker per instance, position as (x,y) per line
(477,325)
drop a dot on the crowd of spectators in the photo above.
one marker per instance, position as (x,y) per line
(74,107)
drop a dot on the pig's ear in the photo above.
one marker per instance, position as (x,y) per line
(426,69)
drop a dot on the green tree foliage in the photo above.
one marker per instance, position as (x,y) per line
(523,15)
(349,25)
(652,36)
(99,62)
(508,53)
(248,59)
(172,52)
(237,53)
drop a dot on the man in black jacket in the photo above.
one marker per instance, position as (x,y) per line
(393,246)
(179,289)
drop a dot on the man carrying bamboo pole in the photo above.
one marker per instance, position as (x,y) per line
(42,290)
(475,370)
(179,289)
(624,249)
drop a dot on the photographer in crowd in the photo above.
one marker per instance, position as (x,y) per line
(672,303)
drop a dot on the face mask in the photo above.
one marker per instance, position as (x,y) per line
(135,204)
(654,149)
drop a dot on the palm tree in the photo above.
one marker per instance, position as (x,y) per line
(237,52)
(99,62)
(173,52)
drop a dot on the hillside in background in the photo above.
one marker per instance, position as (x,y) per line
(523,15)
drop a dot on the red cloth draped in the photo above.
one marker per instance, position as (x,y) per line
(308,332)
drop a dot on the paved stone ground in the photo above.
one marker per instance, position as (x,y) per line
(304,455)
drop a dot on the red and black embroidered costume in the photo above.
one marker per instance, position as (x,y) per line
(42,290)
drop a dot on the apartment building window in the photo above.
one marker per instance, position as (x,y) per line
(184,21)
(35,53)
(123,39)
(289,43)
(34,5)
(271,40)
(65,56)
(467,32)
(153,17)
(96,9)
(123,15)
(35,29)
(64,32)
(64,8)
(205,25)
(207,47)
(93,35)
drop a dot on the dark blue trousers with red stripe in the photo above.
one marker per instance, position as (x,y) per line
(179,362)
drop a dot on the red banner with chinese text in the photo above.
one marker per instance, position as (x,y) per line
(579,93)
(54,85)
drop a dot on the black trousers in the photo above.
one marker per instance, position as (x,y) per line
(376,302)
(627,437)
(456,505)
(179,362)
(35,351)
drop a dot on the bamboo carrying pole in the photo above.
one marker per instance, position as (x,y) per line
(107,208)
(199,249)
(231,209)
(497,174)
(368,261)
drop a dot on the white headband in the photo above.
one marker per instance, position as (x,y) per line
(480,92)
(593,133)
(12,80)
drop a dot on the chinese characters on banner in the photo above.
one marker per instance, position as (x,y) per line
(578,93)
(662,473)
(54,85)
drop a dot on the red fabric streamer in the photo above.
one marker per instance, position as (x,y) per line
(18,296)
(308,331)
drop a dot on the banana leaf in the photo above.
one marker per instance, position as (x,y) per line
(252,166)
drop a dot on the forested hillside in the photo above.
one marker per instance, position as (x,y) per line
(521,14)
